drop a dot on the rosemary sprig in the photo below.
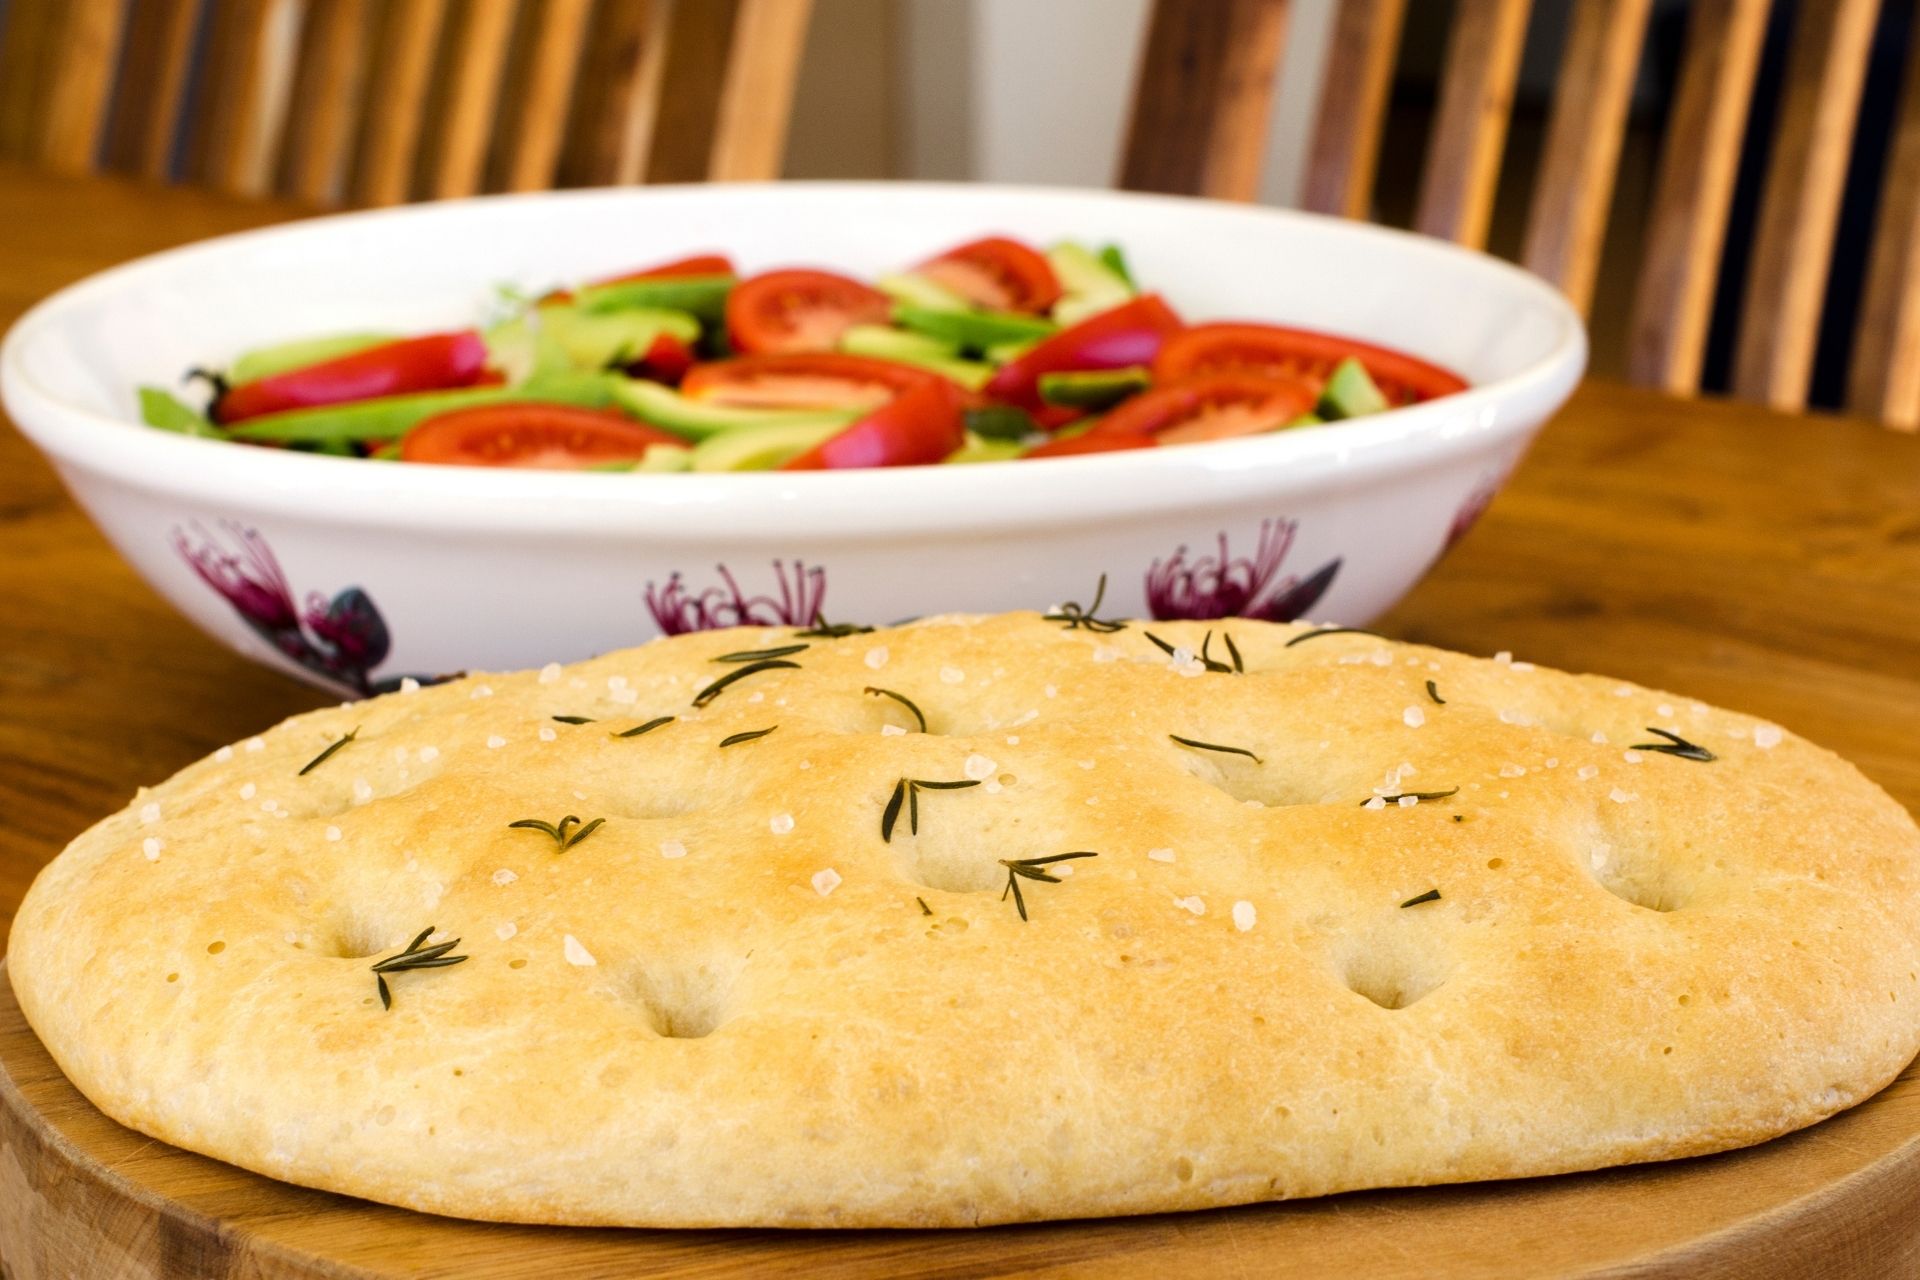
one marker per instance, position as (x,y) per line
(1317,632)
(907,791)
(1675,745)
(414,957)
(1415,795)
(821,629)
(327,754)
(574,719)
(904,701)
(1075,617)
(1205,659)
(1433,691)
(925,910)
(748,736)
(1214,746)
(566,833)
(639,729)
(761,655)
(1431,895)
(719,686)
(1233,651)
(1019,869)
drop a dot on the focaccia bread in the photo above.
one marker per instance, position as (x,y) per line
(1347,913)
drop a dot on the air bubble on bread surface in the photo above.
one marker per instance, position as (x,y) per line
(686,1000)
(1624,860)
(1394,966)
(357,935)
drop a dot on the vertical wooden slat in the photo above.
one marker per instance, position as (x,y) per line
(328,89)
(1355,92)
(1470,127)
(1687,224)
(1203,97)
(145,125)
(87,53)
(395,110)
(1574,189)
(1806,178)
(1885,379)
(756,97)
(249,68)
(616,101)
(476,59)
(695,39)
(540,88)
(26,66)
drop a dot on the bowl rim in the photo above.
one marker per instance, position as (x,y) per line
(864,500)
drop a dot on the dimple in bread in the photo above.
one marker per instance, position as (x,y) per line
(1356,914)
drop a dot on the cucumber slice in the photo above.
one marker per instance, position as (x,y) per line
(390,417)
(702,296)
(760,448)
(657,458)
(913,290)
(1001,422)
(972,329)
(1093,388)
(264,362)
(981,449)
(1350,393)
(1001,352)
(1089,285)
(883,343)
(166,411)
(1114,259)
(1304,420)
(667,409)
(593,341)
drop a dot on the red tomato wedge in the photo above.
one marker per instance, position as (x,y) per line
(553,437)
(997,273)
(700,264)
(667,360)
(1211,406)
(1129,334)
(1276,349)
(920,425)
(1090,442)
(800,311)
(802,380)
(437,362)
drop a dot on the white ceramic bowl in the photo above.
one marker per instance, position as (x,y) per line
(354,573)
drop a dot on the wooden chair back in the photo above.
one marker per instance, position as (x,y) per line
(370,102)
(1207,80)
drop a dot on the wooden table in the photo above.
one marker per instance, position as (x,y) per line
(1761,561)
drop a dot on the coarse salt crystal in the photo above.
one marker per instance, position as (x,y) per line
(979,768)
(1381,658)
(505,929)
(429,754)
(1160,855)
(806,764)
(992,787)
(1063,870)
(1631,757)
(1599,737)
(1013,739)
(1407,802)
(151,847)
(1513,771)
(1194,904)
(672,849)
(495,741)
(409,685)
(616,682)
(1553,762)
(891,731)
(825,881)
(952,675)
(481,691)
(1588,772)
(150,812)
(1414,717)
(550,673)
(223,755)
(256,744)
(756,696)
(1378,802)
(1051,692)
(1618,796)
(248,790)
(1522,666)
(577,954)
(332,834)
(1505,655)
(1623,691)
(1664,709)
(780,823)
(877,656)
(1767,736)
(268,806)
(1243,915)
(547,734)
(624,697)
(362,791)
(504,876)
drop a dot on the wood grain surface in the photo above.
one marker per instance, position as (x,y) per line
(1759,560)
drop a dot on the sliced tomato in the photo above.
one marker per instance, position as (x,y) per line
(997,273)
(1090,442)
(800,311)
(1129,334)
(667,360)
(1211,406)
(554,437)
(802,380)
(700,264)
(1277,349)
(436,362)
(919,426)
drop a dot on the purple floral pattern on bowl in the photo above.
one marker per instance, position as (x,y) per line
(341,639)
(1227,586)
(677,611)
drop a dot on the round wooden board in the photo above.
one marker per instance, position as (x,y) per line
(82,1196)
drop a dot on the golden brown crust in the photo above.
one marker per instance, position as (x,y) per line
(1633,955)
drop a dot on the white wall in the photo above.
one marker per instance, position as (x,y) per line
(1038,90)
